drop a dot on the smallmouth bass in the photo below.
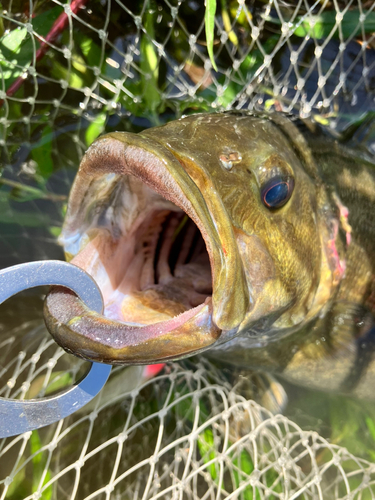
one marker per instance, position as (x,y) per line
(237,233)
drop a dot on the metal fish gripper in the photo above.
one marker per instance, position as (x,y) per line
(18,416)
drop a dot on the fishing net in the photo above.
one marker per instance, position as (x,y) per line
(192,432)
(70,71)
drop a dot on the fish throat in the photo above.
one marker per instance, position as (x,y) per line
(163,268)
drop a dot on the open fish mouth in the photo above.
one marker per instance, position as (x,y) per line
(144,221)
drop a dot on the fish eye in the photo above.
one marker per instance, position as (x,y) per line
(277,191)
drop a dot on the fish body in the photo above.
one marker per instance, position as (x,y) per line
(237,233)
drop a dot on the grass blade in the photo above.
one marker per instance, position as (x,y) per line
(209,20)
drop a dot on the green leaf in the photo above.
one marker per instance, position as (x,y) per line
(95,128)
(42,152)
(371,427)
(59,380)
(242,17)
(18,487)
(209,21)
(321,26)
(245,72)
(17,49)
(23,192)
(1,22)
(207,451)
(39,463)
(70,75)
(245,465)
(228,24)
(90,50)
(43,22)
(150,65)
(13,60)
(14,39)
(55,231)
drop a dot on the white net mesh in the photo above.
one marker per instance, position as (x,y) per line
(192,432)
(69,71)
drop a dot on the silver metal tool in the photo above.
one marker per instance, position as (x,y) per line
(18,416)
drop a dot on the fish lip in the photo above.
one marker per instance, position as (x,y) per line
(129,154)
(88,335)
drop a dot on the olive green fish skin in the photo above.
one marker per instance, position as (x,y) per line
(293,287)
(335,351)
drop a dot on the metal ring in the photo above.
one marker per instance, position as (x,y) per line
(17,416)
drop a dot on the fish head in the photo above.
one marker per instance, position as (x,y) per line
(266,258)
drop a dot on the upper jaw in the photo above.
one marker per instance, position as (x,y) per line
(77,329)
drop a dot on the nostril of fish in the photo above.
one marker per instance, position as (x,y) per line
(230,159)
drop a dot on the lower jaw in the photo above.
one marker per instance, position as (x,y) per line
(96,338)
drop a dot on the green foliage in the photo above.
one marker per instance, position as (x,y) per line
(41,473)
(37,474)
(206,446)
(150,65)
(42,152)
(33,477)
(326,24)
(95,128)
(10,215)
(209,22)
(370,423)
(57,381)
(90,51)
(244,466)
(18,47)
